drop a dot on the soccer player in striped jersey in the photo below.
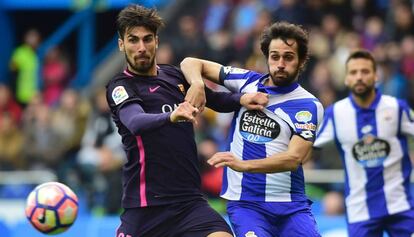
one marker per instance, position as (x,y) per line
(370,131)
(153,106)
(263,178)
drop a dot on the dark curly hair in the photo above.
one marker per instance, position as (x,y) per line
(362,53)
(286,31)
(136,15)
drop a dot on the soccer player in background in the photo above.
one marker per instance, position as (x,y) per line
(263,178)
(370,130)
(153,107)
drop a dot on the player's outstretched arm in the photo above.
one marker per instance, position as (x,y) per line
(298,151)
(196,69)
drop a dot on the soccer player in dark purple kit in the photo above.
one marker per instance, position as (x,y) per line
(154,107)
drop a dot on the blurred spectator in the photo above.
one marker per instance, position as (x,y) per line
(221,47)
(333,203)
(245,16)
(373,33)
(24,62)
(407,60)
(101,157)
(165,54)
(256,61)
(189,40)
(211,177)
(400,20)
(11,144)
(42,143)
(8,106)
(321,83)
(55,76)
(217,15)
(292,11)
(69,123)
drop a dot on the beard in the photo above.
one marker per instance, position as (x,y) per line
(141,67)
(283,78)
(362,89)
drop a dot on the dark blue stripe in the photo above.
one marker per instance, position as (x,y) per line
(406,162)
(328,116)
(297,190)
(225,184)
(375,180)
(253,184)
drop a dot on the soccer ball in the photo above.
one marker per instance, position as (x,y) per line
(52,207)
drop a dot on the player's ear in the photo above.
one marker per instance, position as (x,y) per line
(156,42)
(120,44)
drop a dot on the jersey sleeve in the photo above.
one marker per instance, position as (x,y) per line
(325,133)
(120,93)
(304,117)
(235,79)
(406,118)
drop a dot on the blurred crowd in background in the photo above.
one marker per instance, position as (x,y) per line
(70,132)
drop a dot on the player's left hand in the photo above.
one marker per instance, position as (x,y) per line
(196,96)
(254,101)
(221,159)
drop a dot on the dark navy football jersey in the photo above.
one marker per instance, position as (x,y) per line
(163,165)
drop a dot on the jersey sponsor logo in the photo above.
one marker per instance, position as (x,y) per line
(303,116)
(306,126)
(181,88)
(371,151)
(250,234)
(166,108)
(119,94)
(306,134)
(153,89)
(257,127)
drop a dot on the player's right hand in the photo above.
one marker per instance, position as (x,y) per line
(254,101)
(196,95)
(185,112)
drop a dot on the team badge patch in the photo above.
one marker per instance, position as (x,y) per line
(303,116)
(181,88)
(119,94)
(250,234)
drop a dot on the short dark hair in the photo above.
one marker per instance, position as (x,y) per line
(362,53)
(284,31)
(136,15)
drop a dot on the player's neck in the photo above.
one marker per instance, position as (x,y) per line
(152,72)
(365,101)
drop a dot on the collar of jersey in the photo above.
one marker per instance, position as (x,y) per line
(373,104)
(274,90)
(136,75)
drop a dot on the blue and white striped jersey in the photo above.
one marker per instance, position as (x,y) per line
(259,134)
(373,146)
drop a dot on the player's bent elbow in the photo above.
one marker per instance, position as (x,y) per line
(294,164)
(188,61)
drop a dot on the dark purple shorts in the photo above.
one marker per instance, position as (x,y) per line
(185,219)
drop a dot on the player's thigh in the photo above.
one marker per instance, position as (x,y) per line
(143,222)
(300,223)
(369,228)
(200,220)
(401,224)
(249,220)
